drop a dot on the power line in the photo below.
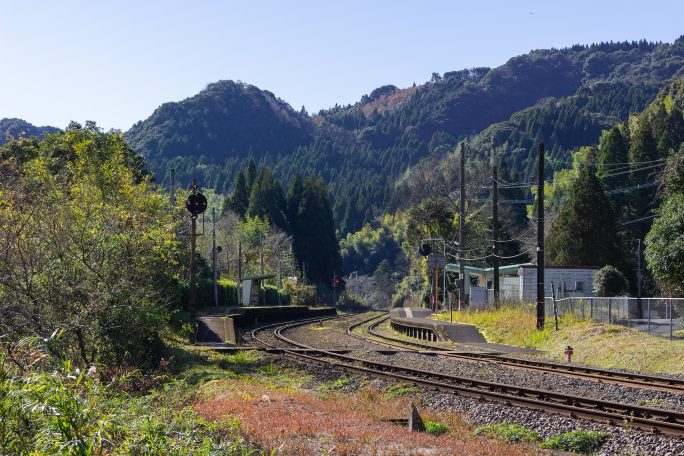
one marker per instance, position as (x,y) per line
(633,170)
(633,187)
(518,238)
(640,219)
(608,164)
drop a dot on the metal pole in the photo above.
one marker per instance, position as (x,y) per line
(540,241)
(461,226)
(436,290)
(261,253)
(214,256)
(638,275)
(495,233)
(280,279)
(192,305)
(444,275)
(239,265)
(555,305)
(670,319)
(648,301)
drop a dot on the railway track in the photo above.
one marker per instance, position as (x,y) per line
(647,419)
(588,373)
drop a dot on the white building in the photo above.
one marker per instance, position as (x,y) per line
(518,282)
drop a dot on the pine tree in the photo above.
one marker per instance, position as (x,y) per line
(585,233)
(251,175)
(268,200)
(239,199)
(294,197)
(316,246)
(614,148)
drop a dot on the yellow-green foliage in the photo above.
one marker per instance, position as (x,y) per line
(603,345)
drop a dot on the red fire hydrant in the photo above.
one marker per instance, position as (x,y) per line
(568,354)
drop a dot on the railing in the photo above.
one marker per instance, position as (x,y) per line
(658,316)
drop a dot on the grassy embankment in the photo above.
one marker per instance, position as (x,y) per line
(598,344)
(284,411)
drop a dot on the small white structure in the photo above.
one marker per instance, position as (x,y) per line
(251,290)
(569,281)
(518,282)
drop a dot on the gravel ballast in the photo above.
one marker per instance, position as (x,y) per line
(332,335)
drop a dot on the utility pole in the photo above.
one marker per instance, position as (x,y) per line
(461,228)
(495,232)
(214,259)
(541,314)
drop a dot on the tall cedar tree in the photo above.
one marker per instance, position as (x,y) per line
(268,200)
(315,243)
(239,200)
(585,232)
(251,175)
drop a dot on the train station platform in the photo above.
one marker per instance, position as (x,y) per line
(416,322)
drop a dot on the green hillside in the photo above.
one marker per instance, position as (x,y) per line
(18,128)
(564,97)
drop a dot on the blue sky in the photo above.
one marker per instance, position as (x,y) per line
(116,61)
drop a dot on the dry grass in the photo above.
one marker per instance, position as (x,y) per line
(598,344)
(297,422)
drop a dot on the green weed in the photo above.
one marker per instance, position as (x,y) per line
(401,390)
(581,441)
(333,386)
(435,427)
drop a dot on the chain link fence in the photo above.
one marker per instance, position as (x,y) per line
(657,316)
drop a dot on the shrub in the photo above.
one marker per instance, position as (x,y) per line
(49,407)
(401,390)
(435,427)
(303,295)
(577,441)
(227,294)
(508,432)
(609,281)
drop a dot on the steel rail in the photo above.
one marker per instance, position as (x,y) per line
(635,380)
(618,414)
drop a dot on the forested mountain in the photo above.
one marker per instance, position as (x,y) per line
(563,97)
(15,128)
(209,136)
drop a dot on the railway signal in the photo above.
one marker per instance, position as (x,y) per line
(196,204)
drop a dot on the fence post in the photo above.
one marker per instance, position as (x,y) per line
(670,318)
(591,309)
(610,309)
(648,301)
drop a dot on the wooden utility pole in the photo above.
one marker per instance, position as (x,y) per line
(461,228)
(495,233)
(541,312)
